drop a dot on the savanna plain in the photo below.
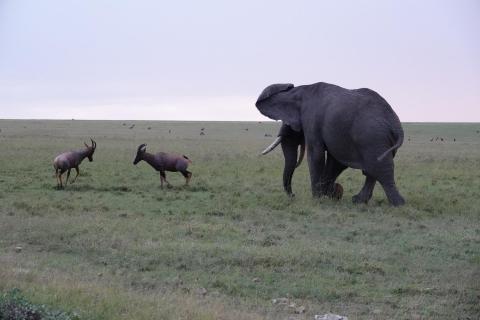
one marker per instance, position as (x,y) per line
(116,246)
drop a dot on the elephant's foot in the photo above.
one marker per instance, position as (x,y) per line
(359,198)
(288,191)
(398,201)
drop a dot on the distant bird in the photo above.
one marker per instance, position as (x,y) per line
(132,126)
(246,129)
(124,124)
(202,129)
(164,162)
(149,128)
(202,133)
(169,131)
(454,139)
(431,140)
(441,139)
(72,159)
(267,135)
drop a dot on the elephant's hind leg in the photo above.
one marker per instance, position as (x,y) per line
(366,193)
(394,197)
(383,171)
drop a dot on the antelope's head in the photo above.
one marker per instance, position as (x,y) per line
(140,152)
(90,149)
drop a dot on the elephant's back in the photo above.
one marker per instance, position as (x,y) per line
(355,121)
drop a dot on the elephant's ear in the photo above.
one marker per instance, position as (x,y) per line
(279,110)
(272,90)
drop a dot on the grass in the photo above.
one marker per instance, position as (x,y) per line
(115,246)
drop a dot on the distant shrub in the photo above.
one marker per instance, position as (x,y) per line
(14,306)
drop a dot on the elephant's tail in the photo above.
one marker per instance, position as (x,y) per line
(394,147)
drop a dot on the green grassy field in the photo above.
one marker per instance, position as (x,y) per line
(115,246)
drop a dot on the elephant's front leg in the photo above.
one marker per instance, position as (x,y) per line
(316,165)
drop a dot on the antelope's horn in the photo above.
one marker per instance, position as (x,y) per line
(143,145)
(272,146)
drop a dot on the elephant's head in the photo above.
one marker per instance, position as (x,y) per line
(290,141)
(281,102)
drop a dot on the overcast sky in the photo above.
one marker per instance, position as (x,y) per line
(209,60)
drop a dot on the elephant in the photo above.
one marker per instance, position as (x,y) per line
(341,128)
(291,140)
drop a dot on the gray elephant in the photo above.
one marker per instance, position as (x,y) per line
(356,128)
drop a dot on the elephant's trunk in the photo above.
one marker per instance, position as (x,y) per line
(290,153)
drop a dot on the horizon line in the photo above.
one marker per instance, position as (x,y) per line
(186,120)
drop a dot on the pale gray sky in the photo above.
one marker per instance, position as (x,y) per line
(209,60)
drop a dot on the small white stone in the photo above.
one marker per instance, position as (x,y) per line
(201,291)
(330,316)
(280,301)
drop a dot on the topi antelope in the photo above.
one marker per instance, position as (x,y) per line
(164,162)
(72,159)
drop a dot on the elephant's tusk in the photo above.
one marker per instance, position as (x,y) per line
(302,154)
(272,146)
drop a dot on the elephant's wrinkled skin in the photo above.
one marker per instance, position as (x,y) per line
(358,128)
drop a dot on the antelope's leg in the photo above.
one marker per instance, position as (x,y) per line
(161,179)
(56,178)
(60,178)
(164,176)
(68,176)
(188,175)
(78,172)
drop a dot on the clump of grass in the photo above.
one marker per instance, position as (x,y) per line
(14,306)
